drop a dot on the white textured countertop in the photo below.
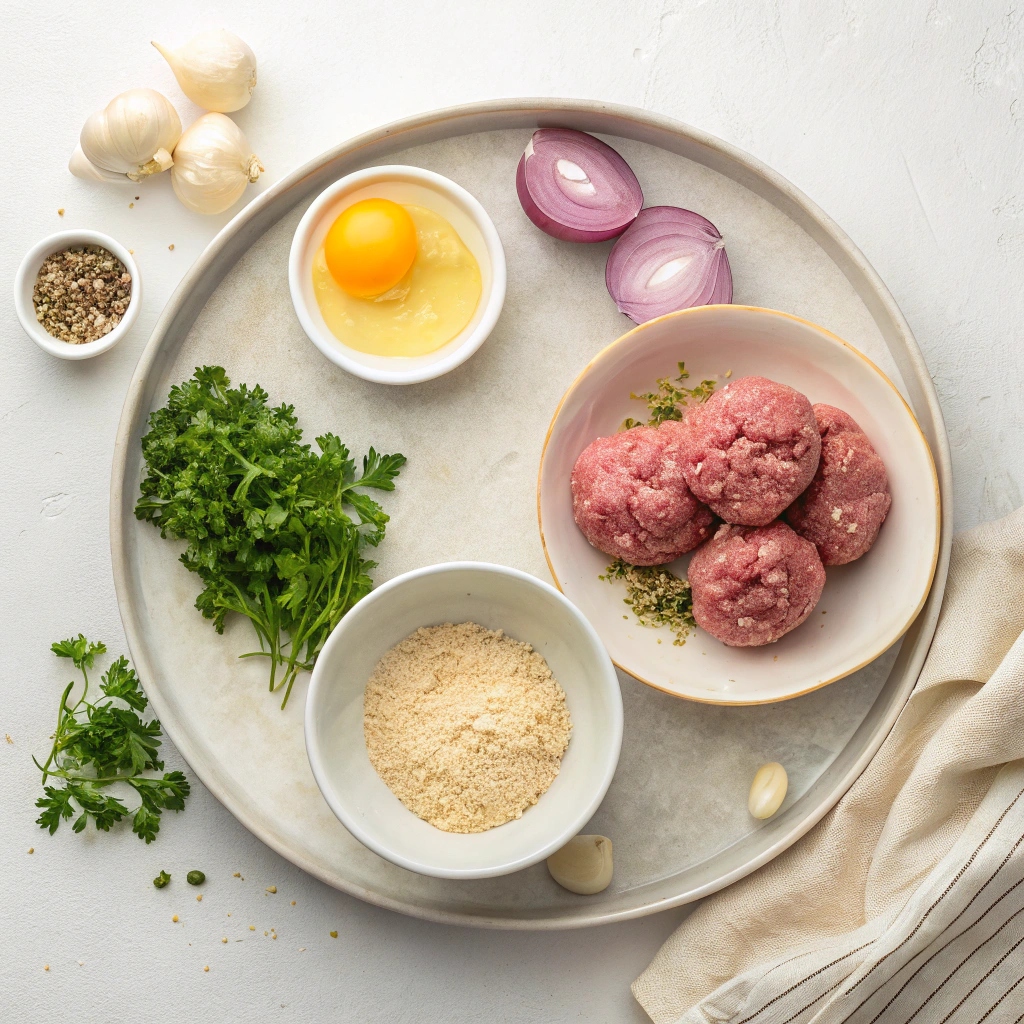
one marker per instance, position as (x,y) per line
(902,119)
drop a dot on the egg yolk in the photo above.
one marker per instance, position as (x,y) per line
(370,247)
(425,310)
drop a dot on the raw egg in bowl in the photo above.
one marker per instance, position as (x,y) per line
(397,274)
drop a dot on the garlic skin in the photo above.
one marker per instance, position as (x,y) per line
(216,70)
(212,165)
(583,865)
(80,167)
(768,790)
(133,134)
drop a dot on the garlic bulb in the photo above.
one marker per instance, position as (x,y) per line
(215,70)
(133,134)
(768,790)
(583,865)
(213,164)
(80,167)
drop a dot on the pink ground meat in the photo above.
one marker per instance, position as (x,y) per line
(750,449)
(752,585)
(630,499)
(848,500)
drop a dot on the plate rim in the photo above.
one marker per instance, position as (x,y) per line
(254,220)
(832,336)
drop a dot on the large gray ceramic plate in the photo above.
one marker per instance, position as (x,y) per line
(677,808)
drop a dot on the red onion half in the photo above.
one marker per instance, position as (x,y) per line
(668,259)
(575,187)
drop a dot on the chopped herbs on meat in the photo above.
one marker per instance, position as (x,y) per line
(656,597)
(670,400)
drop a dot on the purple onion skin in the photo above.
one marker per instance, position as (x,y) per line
(659,235)
(530,208)
(555,214)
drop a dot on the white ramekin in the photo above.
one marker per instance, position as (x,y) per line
(24,284)
(404,185)
(496,597)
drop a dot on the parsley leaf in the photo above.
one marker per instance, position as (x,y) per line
(96,745)
(274,530)
(671,399)
(79,650)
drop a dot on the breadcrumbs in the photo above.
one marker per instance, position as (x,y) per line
(465,725)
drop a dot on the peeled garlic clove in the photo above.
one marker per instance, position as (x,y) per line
(583,865)
(215,70)
(133,134)
(768,790)
(212,165)
(80,167)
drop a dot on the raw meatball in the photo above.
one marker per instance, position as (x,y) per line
(752,585)
(631,501)
(848,500)
(750,449)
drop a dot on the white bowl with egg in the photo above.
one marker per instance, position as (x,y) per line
(24,286)
(404,185)
(496,597)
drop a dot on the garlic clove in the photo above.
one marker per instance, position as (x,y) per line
(768,790)
(216,70)
(583,865)
(212,164)
(133,134)
(80,167)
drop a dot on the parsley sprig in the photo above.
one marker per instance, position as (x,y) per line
(264,516)
(670,400)
(96,745)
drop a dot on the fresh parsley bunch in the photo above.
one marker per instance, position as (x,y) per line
(671,399)
(96,745)
(275,531)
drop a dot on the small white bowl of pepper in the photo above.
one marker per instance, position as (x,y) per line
(77,294)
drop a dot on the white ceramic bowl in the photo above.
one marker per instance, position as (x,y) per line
(498,598)
(866,605)
(24,284)
(417,186)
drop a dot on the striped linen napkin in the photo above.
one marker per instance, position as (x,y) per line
(906,903)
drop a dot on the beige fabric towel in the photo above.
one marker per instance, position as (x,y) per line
(910,863)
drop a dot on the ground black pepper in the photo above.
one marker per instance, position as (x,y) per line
(81,293)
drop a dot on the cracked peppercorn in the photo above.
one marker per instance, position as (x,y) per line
(81,293)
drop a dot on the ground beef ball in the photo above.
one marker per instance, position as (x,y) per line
(631,501)
(750,449)
(752,585)
(848,500)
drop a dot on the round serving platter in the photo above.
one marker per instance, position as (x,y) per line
(676,810)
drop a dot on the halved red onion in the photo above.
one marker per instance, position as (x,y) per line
(575,187)
(668,259)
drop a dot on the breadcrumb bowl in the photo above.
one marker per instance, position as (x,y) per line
(866,606)
(495,597)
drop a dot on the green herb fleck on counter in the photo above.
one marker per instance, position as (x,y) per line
(195,878)
(97,745)
(670,400)
(161,880)
(656,597)
(263,516)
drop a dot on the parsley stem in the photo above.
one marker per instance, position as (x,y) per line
(58,731)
